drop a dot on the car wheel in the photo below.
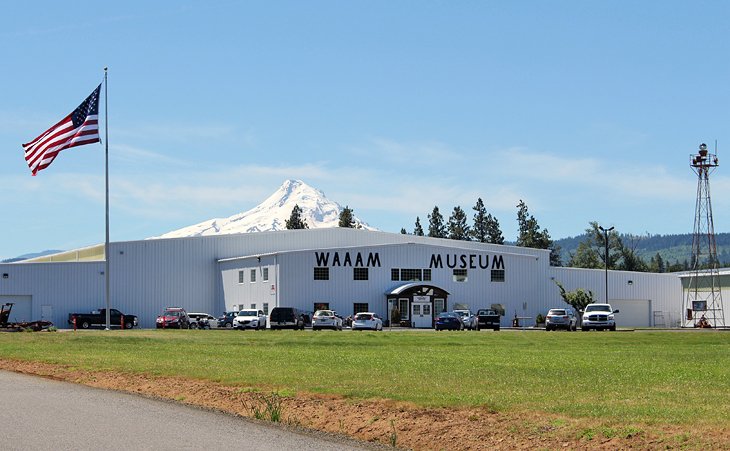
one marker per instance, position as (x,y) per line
(496,329)
(229,326)
(584,329)
(613,328)
(128,325)
(85,324)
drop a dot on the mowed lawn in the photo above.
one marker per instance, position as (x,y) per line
(650,377)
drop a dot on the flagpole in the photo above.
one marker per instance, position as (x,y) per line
(106,164)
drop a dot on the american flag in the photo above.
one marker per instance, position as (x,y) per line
(78,128)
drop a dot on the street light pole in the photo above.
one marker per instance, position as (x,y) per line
(605,233)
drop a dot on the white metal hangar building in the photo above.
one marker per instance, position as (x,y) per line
(347,270)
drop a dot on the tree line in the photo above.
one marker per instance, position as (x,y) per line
(485,228)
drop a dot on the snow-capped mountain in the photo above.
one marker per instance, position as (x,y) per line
(271,214)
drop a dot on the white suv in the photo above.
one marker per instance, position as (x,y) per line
(599,317)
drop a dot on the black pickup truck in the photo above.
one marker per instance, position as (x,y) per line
(487,319)
(97,318)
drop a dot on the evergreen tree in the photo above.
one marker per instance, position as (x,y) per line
(418,230)
(295,220)
(436,228)
(403,231)
(494,233)
(656,264)
(530,234)
(346,218)
(458,228)
(479,230)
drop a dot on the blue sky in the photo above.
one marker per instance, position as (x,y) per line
(587,111)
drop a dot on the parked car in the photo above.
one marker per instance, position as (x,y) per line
(487,319)
(202,321)
(173,318)
(561,318)
(599,317)
(226,320)
(449,321)
(467,318)
(367,321)
(249,319)
(326,319)
(286,318)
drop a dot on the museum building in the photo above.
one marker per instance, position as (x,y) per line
(347,270)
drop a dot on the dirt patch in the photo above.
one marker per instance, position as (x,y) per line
(393,423)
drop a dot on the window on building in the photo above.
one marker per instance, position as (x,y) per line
(359,307)
(321,306)
(394,274)
(253,275)
(403,307)
(498,275)
(407,274)
(460,275)
(321,273)
(359,273)
(253,306)
(266,308)
(265,274)
(439,306)
(427,275)
(240,276)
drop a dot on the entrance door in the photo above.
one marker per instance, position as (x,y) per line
(47,312)
(421,315)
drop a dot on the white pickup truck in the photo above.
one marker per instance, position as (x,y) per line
(599,317)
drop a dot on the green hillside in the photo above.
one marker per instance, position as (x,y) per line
(672,248)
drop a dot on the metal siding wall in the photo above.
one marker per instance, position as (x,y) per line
(664,290)
(67,287)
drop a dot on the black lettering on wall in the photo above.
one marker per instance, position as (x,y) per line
(497,263)
(322,258)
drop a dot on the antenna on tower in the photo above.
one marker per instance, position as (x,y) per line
(703,302)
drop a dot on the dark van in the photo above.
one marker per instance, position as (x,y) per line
(286,318)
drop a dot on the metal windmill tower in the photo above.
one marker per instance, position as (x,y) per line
(703,302)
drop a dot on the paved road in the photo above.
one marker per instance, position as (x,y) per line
(38,413)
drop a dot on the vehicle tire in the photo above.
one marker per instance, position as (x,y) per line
(584,329)
(129,325)
(613,329)
(229,325)
(85,325)
(496,329)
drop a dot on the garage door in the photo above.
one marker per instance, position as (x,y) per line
(22,307)
(632,312)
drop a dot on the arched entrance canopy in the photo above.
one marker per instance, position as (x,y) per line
(416,303)
(418,289)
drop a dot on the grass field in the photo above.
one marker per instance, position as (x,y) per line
(648,377)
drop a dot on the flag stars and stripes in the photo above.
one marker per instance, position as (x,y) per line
(77,129)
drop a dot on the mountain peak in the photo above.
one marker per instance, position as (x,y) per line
(272,213)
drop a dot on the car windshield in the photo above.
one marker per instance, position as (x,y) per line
(172,313)
(324,313)
(598,308)
(557,312)
(363,317)
(462,313)
(247,313)
(447,315)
